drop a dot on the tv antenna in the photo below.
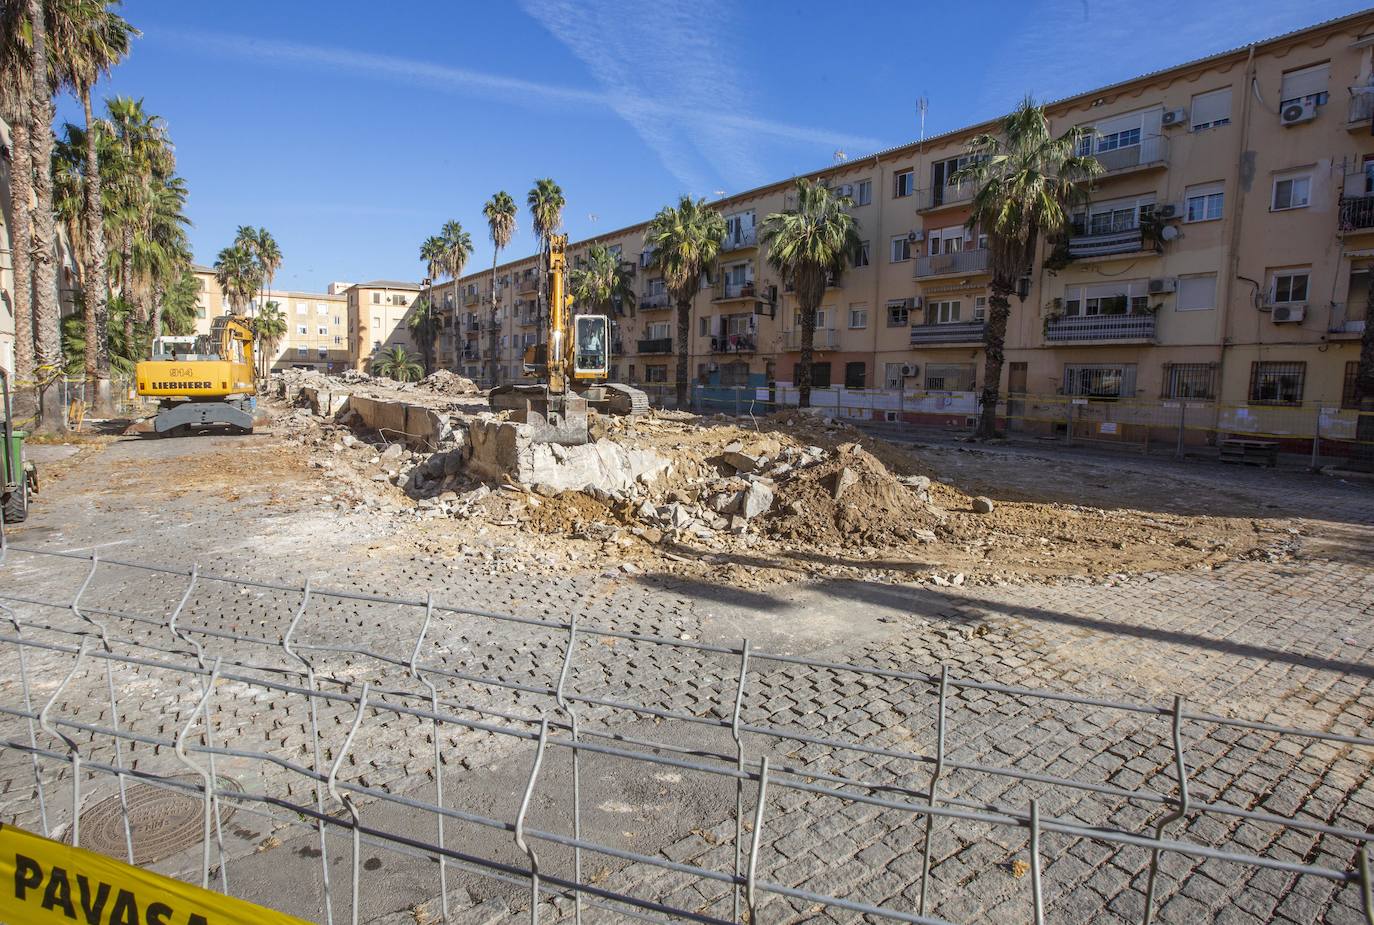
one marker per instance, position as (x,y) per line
(840,156)
(719,193)
(922,106)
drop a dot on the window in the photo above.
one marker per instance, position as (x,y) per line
(1308,83)
(200,311)
(898,314)
(1210,110)
(301,308)
(376,345)
(1100,380)
(855,375)
(1349,394)
(336,319)
(376,298)
(945,311)
(734,374)
(820,374)
(656,374)
(1196,293)
(902,184)
(300,329)
(338,341)
(1114,298)
(321,308)
(858,317)
(1203,203)
(1113,216)
(302,352)
(322,329)
(892,376)
(863,192)
(324,353)
(1276,383)
(704,326)
(861,258)
(1288,286)
(950,377)
(1189,380)
(1292,192)
(980,308)
(659,330)
(901,249)
(376,321)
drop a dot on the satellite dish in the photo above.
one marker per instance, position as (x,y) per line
(1169,233)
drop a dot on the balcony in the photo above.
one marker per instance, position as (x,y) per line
(1361,110)
(1355,215)
(527,283)
(944,196)
(957,332)
(471,353)
(739,239)
(527,321)
(470,298)
(726,291)
(733,343)
(958,263)
(1346,320)
(472,325)
(825,339)
(1086,329)
(655,302)
(1151,153)
(1127,239)
(656,345)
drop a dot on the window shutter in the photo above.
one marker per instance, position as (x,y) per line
(1305,82)
(1196,293)
(1121,123)
(1210,107)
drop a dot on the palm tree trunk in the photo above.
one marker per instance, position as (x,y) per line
(21,248)
(495,337)
(47,307)
(684,332)
(994,341)
(96,294)
(157,318)
(808,351)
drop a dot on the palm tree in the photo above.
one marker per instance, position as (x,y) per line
(424,328)
(397,364)
(176,310)
(685,241)
(457,250)
(433,254)
(810,246)
(260,244)
(89,38)
(1026,180)
(545,200)
(149,160)
(500,212)
(15,96)
(604,282)
(269,327)
(237,274)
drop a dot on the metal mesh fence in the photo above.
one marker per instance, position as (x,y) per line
(119,673)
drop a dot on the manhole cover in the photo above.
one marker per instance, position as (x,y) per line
(162,820)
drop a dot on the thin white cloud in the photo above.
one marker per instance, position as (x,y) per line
(686,110)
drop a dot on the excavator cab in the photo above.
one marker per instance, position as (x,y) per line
(591,347)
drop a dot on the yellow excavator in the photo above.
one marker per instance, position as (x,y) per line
(202,380)
(574,363)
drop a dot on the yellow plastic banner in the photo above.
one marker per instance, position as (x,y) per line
(43,882)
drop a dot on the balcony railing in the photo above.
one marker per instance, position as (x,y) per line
(1356,213)
(473,324)
(1082,328)
(656,345)
(654,301)
(1123,240)
(825,339)
(733,343)
(526,321)
(1346,319)
(958,332)
(471,354)
(470,298)
(1361,105)
(726,290)
(744,237)
(946,194)
(970,261)
(1152,150)
(527,283)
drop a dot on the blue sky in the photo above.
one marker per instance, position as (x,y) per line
(353,130)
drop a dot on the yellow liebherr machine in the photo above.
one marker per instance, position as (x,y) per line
(202,380)
(574,362)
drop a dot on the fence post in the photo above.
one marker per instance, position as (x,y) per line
(1317,442)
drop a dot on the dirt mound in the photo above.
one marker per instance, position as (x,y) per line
(444,382)
(852,500)
(570,512)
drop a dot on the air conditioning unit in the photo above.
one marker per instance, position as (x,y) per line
(1168,210)
(1297,112)
(1288,314)
(1162,285)
(1174,118)
(847,190)
(916,301)
(916,236)
(910,370)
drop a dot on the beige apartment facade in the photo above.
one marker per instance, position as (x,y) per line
(378,313)
(316,332)
(1224,256)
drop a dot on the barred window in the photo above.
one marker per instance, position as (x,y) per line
(950,377)
(734,374)
(1276,383)
(1100,380)
(1349,394)
(1189,380)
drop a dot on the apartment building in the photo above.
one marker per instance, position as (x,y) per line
(317,332)
(378,317)
(1225,254)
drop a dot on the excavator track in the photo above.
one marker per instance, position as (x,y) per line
(626,399)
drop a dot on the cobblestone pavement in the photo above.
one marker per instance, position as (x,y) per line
(1285,638)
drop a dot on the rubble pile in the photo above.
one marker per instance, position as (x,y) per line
(443,382)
